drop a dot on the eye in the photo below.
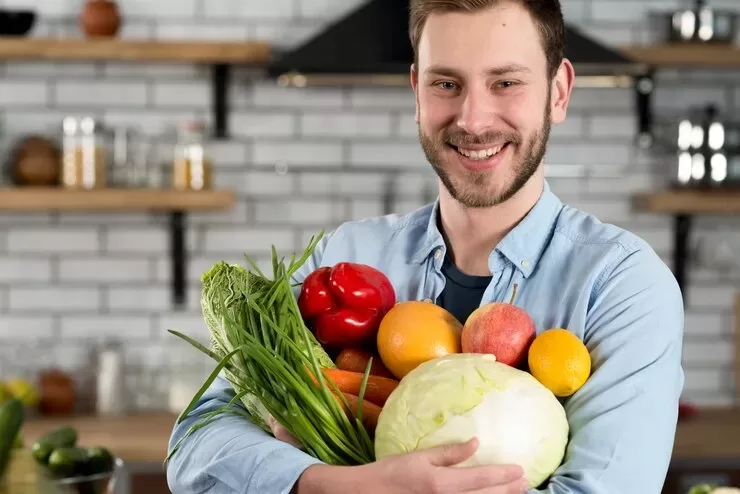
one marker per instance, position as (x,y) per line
(505,84)
(446,85)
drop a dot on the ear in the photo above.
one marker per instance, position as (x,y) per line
(562,87)
(414,76)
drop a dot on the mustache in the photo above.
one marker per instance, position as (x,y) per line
(458,137)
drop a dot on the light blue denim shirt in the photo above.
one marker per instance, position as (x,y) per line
(604,284)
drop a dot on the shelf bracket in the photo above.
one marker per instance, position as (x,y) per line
(681,239)
(178,258)
(220,86)
(644,90)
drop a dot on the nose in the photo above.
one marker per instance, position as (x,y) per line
(476,112)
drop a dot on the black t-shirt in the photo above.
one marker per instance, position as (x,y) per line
(462,293)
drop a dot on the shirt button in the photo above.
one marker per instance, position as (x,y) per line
(438,254)
(428,300)
(525,264)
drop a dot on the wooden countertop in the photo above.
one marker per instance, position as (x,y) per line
(137,438)
(143,438)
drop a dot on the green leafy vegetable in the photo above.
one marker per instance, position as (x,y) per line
(270,358)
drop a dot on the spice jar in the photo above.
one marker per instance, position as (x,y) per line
(84,154)
(192,169)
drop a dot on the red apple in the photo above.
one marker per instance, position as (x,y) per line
(501,329)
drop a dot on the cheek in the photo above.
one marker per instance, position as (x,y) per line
(435,112)
(524,114)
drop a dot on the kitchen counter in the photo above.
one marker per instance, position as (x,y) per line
(713,435)
(135,438)
(143,438)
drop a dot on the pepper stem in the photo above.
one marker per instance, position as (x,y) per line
(513,294)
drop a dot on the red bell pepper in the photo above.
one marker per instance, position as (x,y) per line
(344,304)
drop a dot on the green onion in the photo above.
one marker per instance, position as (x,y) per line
(274,363)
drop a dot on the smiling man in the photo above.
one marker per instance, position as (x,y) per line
(489,80)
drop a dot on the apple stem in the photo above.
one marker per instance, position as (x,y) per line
(513,295)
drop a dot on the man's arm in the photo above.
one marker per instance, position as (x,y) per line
(623,420)
(230,454)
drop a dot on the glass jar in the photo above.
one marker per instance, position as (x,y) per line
(192,169)
(84,153)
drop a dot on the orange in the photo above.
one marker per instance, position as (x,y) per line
(413,332)
(560,361)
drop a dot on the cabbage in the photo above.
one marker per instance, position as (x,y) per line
(453,398)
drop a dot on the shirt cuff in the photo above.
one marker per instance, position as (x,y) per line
(279,471)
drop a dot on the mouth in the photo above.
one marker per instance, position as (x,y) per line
(481,158)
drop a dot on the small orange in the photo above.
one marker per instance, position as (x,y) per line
(560,361)
(414,332)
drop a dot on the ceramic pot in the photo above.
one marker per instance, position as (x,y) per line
(100,18)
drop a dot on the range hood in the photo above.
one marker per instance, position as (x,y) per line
(370,46)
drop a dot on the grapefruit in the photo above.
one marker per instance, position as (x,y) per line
(414,332)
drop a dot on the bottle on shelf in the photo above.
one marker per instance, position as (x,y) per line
(192,168)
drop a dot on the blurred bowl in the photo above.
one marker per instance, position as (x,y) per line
(25,476)
(16,22)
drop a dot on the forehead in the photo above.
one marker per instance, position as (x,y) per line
(504,34)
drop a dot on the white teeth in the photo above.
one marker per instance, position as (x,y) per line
(480,154)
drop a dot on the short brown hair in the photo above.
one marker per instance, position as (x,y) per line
(547,14)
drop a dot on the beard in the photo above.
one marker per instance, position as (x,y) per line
(472,190)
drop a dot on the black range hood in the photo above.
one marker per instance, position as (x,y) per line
(370,46)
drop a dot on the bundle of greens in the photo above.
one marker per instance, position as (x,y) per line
(261,343)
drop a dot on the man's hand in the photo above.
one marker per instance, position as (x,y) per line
(430,471)
(280,433)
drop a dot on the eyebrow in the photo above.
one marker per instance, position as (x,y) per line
(501,70)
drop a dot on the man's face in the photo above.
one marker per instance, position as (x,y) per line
(484,102)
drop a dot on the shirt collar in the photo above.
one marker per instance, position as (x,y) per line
(522,246)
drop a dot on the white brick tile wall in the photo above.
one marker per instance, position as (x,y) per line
(252,124)
(35,239)
(22,269)
(346,124)
(53,299)
(23,93)
(101,327)
(26,328)
(288,211)
(249,9)
(299,153)
(387,154)
(269,95)
(114,270)
(303,160)
(88,93)
(249,240)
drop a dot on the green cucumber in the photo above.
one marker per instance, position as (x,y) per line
(67,462)
(63,437)
(11,421)
(99,460)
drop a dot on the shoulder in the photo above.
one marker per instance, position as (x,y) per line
(375,241)
(626,261)
(372,234)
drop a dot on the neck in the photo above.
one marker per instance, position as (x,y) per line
(472,233)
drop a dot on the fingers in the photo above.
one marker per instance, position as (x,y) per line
(516,487)
(452,454)
(481,478)
(281,433)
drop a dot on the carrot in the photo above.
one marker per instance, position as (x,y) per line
(356,359)
(377,391)
(370,412)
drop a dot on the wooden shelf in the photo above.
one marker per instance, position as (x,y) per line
(133,50)
(221,56)
(689,202)
(120,200)
(684,55)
